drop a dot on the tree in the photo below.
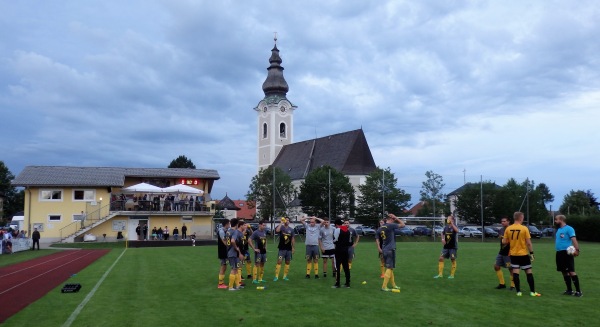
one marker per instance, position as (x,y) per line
(182,162)
(377,189)
(315,191)
(431,190)
(260,193)
(579,203)
(13,199)
(469,202)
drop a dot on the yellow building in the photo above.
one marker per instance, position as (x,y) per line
(67,204)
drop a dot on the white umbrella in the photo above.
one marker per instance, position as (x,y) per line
(181,188)
(142,188)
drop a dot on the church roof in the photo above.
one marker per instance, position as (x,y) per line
(347,152)
(275,84)
(227,203)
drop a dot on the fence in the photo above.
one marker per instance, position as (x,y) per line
(18,245)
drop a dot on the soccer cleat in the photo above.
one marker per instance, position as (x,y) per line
(382,276)
(438,276)
(535,294)
(249,276)
(222,286)
(385,289)
(275,279)
(450,277)
(396,287)
(578,294)
(512,288)
(316,276)
(519,294)
(262,281)
(347,286)
(285,278)
(241,286)
(234,289)
(568,292)
(307,277)
(255,282)
(335,286)
(324,274)
(500,286)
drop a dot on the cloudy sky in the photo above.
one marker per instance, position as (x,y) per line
(468,89)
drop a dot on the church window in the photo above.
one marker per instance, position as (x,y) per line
(282,131)
(264,133)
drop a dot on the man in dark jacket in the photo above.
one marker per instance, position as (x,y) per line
(341,239)
(35,236)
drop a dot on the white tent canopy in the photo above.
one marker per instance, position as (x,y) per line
(142,188)
(183,189)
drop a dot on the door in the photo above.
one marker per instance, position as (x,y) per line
(133,224)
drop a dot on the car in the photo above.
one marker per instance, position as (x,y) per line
(548,231)
(364,230)
(300,229)
(488,232)
(422,230)
(534,232)
(404,231)
(470,231)
(438,230)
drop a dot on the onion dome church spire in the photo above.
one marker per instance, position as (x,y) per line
(275,83)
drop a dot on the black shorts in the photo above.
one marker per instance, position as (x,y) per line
(329,253)
(564,262)
(522,262)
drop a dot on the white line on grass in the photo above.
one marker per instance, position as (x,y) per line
(89,296)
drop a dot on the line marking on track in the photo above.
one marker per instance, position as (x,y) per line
(42,274)
(42,263)
(92,292)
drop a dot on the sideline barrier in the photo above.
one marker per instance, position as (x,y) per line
(18,245)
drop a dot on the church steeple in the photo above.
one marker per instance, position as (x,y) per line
(275,83)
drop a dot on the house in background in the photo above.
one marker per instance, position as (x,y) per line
(66,203)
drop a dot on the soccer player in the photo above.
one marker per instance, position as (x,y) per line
(450,247)
(502,259)
(326,245)
(246,252)
(565,263)
(519,239)
(386,244)
(312,245)
(381,261)
(258,243)
(235,255)
(354,237)
(341,239)
(222,251)
(287,247)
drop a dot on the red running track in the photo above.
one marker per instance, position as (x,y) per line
(23,283)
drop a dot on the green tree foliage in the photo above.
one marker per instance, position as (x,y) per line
(260,193)
(431,192)
(315,190)
(469,202)
(13,199)
(182,162)
(369,205)
(579,203)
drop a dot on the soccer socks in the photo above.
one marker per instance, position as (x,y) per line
(392,279)
(248,268)
(567,279)
(221,279)
(316,266)
(239,276)
(382,268)
(500,276)
(255,273)
(262,272)
(350,265)
(232,279)
(531,282)
(517,282)
(286,269)
(440,268)
(386,279)
(308,268)
(277,269)
(512,281)
(576,282)
(453,268)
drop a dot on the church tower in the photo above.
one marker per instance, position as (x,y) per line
(275,113)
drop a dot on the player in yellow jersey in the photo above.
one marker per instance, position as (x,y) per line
(521,252)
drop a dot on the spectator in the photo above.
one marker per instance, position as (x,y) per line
(175,233)
(35,236)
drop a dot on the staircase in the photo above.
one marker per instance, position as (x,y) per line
(71,238)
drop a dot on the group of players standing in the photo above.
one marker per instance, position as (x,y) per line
(516,253)
(235,238)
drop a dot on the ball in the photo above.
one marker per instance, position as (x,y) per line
(571,250)
(364,282)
